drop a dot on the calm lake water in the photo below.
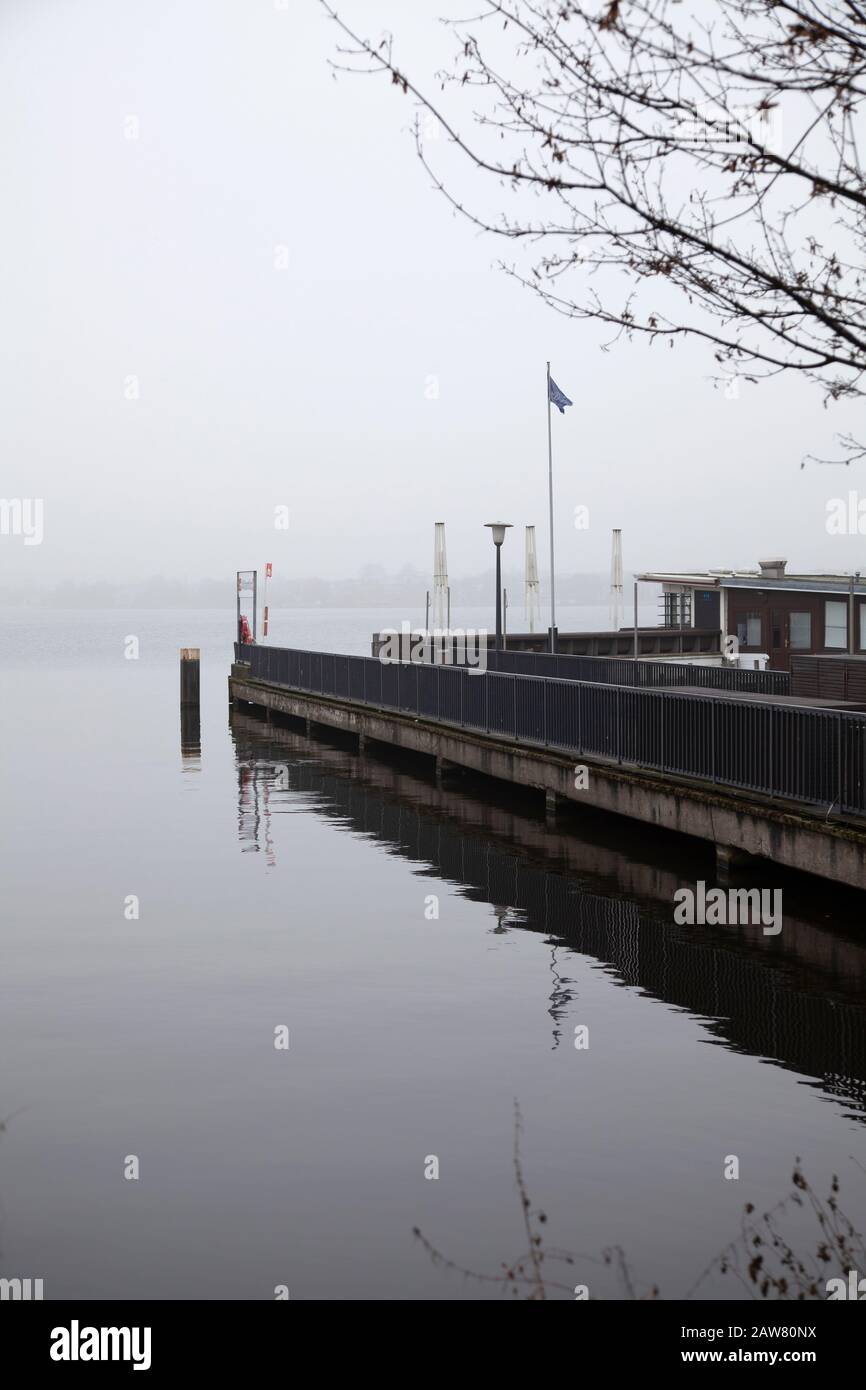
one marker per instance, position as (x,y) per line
(284,881)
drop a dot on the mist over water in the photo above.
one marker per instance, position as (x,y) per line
(282,880)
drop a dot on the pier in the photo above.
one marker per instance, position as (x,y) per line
(767,778)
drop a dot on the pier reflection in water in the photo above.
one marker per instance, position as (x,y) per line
(796,1000)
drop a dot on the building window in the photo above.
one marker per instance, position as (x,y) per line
(801,631)
(677,610)
(749,629)
(835,624)
(863,627)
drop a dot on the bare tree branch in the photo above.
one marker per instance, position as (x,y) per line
(670,169)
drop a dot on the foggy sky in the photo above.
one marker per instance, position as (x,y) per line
(309,387)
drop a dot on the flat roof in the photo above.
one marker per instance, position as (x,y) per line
(753,579)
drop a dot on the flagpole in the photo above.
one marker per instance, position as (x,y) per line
(550,495)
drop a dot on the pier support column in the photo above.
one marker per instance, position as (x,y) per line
(550,808)
(446,770)
(307,723)
(362,744)
(728,860)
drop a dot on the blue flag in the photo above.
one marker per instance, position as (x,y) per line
(558,397)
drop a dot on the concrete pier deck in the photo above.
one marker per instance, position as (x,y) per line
(738,823)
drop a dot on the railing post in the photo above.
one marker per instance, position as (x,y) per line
(772,768)
(580,718)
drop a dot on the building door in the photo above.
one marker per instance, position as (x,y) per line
(790,632)
(777,645)
(801,635)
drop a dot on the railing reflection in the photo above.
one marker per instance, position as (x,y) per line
(795,1000)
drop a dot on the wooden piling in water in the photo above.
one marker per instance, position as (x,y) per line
(190,680)
(190,687)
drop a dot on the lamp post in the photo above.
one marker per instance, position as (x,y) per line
(498,529)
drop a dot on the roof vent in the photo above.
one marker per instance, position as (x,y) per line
(772,569)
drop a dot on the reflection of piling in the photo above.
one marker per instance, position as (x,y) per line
(190,732)
(190,687)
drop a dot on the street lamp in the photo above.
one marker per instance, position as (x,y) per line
(498,529)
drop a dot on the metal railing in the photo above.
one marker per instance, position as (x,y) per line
(809,756)
(643,675)
(622,670)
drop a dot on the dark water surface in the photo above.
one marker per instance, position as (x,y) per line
(285,881)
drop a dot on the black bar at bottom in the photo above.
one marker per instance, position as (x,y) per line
(646,1336)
